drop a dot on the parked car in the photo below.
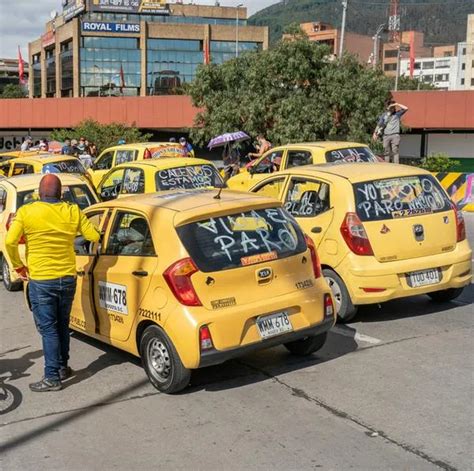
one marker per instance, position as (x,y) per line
(42,163)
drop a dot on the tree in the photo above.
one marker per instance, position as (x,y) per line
(290,93)
(13,90)
(407,83)
(102,135)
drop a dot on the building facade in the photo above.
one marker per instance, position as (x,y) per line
(441,72)
(466,57)
(9,72)
(135,47)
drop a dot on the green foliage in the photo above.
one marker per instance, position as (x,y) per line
(290,93)
(407,83)
(295,30)
(438,163)
(442,22)
(13,90)
(102,135)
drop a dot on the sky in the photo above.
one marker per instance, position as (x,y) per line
(22,21)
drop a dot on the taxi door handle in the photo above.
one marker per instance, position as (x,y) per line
(81,273)
(140,273)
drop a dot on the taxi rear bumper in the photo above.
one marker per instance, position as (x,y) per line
(215,357)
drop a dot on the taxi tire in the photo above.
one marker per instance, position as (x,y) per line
(446,295)
(7,282)
(307,345)
(179,376)
(347,310)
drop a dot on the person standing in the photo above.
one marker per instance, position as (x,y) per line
(262,147)
(49,227)
(26,144)
(231,159)
(186,148)
(388,127)
(66,149)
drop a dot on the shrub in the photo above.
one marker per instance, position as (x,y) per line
(438,163)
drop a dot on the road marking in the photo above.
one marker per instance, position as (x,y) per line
(346,332)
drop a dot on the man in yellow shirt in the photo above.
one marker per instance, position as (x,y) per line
(49,227)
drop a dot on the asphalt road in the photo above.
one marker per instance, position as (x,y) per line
(393,390)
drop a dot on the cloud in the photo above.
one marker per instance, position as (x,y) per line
(22,21)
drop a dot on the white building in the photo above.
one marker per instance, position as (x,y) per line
(441,72)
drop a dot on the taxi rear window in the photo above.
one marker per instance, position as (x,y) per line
(351,154)
(399,197)
(64,166)
(246,238)
(78,194)
(188,177)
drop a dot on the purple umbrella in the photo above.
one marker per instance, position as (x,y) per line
(222,140)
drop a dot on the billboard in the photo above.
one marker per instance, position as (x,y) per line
(102,27)
(72,8)
(48,38)
(149,7)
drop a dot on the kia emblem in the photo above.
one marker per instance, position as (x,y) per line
(264,273)
(384,229)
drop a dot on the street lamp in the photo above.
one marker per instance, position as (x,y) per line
(376,43)
(237,29)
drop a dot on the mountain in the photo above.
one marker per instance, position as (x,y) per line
(443,22)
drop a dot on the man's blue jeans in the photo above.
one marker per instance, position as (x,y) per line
(51,302)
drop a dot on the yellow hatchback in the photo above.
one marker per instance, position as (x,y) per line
(42,163)
(166,173)
(186,279)
(382,231)
(297,155)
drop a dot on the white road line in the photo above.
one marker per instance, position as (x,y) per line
(357,337)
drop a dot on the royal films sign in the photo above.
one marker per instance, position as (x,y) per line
(149,7)
(101,27)
(72,8)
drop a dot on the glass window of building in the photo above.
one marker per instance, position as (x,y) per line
(36,59)
(110,66)
(222,51)
(171,63)
(391,53)
(50,72)
(428,65)
(66,69)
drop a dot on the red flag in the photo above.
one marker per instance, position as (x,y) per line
(21,68)
(412,53)
(122,79)
(207,55)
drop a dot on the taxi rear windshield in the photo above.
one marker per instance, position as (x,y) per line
(399,197)
(188,177)
(246,238)
(351,154)
(78,194)
(64,166)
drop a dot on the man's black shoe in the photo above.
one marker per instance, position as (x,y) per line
(65,372)
(46,385)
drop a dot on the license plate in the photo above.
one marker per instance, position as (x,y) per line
(274,324)
(423,278)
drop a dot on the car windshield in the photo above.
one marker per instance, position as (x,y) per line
(242,239)
(351,154)
(188,177)
(64,166)
(399,197)
(78,194)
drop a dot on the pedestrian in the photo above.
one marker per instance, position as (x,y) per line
(67,148)
(49,227)
(74,148)
(81,146)
(388,127)
(231,159)
(263,146)
(186,148)
(26,144)
(173,140)
(92,150)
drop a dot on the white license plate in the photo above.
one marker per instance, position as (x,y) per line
(423,278)
(274,324)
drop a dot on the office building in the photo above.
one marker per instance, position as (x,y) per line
(9,72)
(441,72)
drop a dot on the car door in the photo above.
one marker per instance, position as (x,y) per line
(21,169)
(111,185)
(99,168)
(83,314)
(124,156)
(297,158)
(122,273)
(133,181)
(5,169)
(308,200)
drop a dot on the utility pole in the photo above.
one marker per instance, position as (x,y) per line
(376,44)
(394,28)
(343,27)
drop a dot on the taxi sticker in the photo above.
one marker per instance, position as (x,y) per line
(113,297)
(259,258)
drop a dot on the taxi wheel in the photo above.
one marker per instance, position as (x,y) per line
(7,281)
(446,295)
(307,345)
(161,361)
(346,311)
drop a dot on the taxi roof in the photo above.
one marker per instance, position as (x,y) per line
(323,145)
(139,145)
(32,180)
(48,157)
(358,171)
(165,162)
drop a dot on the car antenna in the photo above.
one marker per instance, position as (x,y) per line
(218,196)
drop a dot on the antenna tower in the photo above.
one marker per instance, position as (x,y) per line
(394,21)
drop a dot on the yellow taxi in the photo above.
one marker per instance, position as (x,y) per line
(20,190)
(166,173)
(14,154)
(382,231)
(187,279)
(42,163)
(297,155)
(126,153)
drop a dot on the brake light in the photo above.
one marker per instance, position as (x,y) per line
(147,154)
(205,338)
(10,219)
(373,290)
(460,224)
(314,256)
(355,236)
(328,306)
(178,277)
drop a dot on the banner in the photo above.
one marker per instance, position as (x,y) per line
(150,7)
(72,8)
(48,38)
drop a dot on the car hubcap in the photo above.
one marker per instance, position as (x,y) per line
(159,360)
(336,292)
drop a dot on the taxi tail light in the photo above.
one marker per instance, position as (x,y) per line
(178,277)
(147,154)
(460,224)
(11,216)
(373,290)
(205,338)
(355,236)
(314,257)
(328,306)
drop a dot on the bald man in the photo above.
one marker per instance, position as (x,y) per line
(49,227)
